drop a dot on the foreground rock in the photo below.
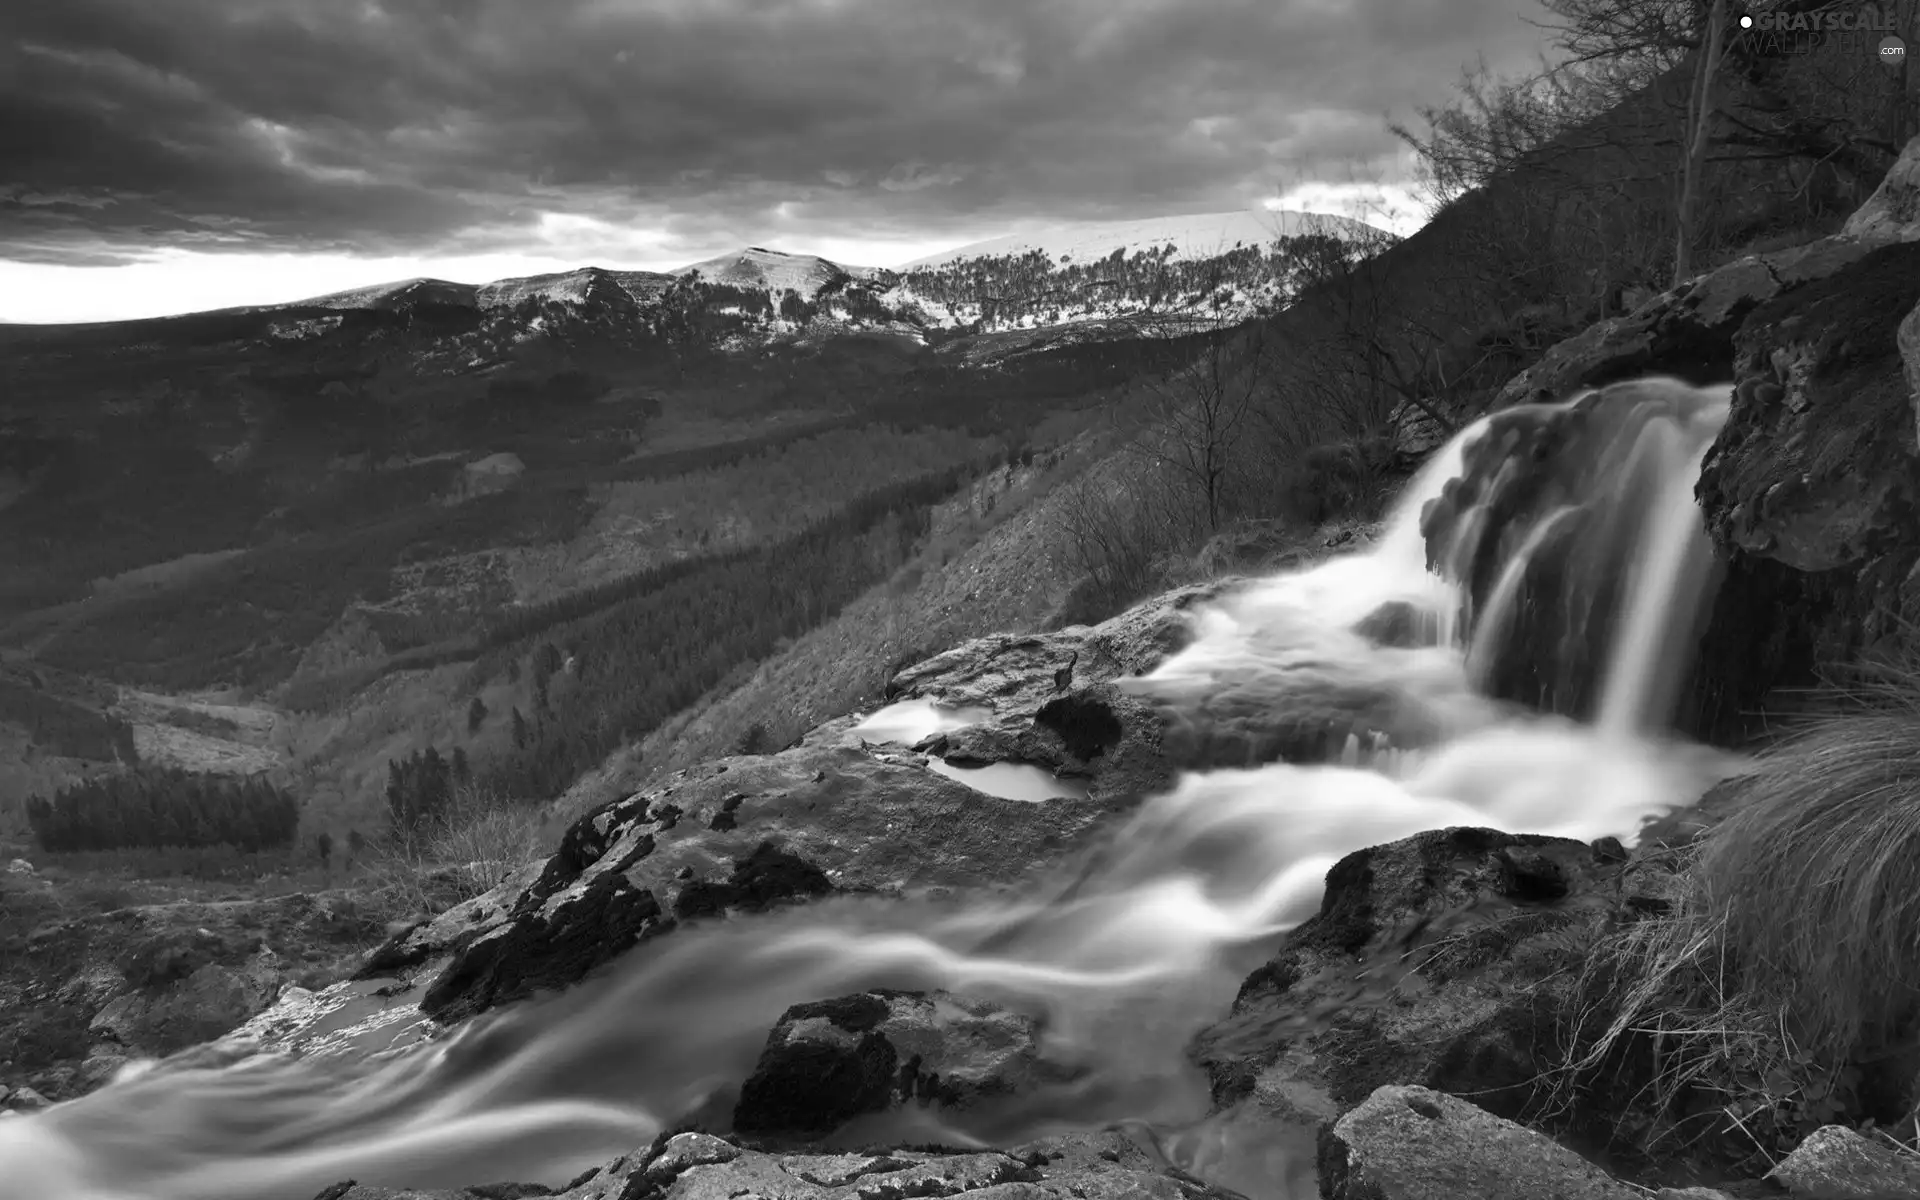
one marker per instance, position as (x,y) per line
(696,1166)
(1835,1163)
(1412,1143)
(830,1062)
(1494,922)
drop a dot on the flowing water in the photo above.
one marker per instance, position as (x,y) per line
(1134,949)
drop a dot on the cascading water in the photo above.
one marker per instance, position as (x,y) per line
(1140,946)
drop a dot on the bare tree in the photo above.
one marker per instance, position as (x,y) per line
(1196,415)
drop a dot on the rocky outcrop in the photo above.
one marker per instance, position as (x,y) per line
(829,1062)
(1810,491)
(742,834)
(698,1166)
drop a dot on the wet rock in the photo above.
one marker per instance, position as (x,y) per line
(1412,1143)
(1398,624)
(1441,960)
(698,1166)
(829,1062)
(1835,1163)
(22,1100)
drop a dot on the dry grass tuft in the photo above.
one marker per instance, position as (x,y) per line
(1782,990)
(466,852)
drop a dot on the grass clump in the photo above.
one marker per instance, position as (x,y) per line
(1779,989)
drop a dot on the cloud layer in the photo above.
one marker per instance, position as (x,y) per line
(664,129)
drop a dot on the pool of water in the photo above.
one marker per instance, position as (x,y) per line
(1012,781)
(911,720)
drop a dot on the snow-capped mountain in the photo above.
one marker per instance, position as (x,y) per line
(1199,236)
(1082,283)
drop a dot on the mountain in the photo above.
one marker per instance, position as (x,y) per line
(1197,236)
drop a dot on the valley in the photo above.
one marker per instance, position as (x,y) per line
(529,522)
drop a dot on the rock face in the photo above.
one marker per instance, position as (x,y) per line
(830,1062)
(1810,491)
(1411,1143)
(698,1166)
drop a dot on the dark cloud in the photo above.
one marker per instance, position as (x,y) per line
(442,126)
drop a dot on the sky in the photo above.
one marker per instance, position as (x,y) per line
(162,156)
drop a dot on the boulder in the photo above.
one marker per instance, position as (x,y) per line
(699,1166)
(22,1100)
(1443,960)
(1412,1143)
(1835,1163)
(829,1062)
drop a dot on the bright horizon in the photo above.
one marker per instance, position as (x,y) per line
(179,282)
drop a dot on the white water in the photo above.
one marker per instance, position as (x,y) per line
(1128,954)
